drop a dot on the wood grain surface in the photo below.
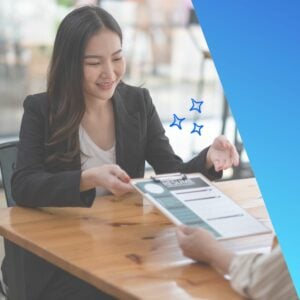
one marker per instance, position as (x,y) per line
(126,247)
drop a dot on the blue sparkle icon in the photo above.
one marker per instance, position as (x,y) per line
(197,128)
(196,105)
(177,121)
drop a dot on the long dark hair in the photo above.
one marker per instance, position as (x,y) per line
(65,77)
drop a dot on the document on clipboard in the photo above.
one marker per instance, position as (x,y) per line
(192,200)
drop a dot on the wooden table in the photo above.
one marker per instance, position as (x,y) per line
(124,246)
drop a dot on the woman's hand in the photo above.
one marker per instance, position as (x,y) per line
(110,177)
(199,244)
(221,154)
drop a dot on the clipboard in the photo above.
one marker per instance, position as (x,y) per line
(192,200)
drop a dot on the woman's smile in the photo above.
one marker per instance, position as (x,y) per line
(107,85)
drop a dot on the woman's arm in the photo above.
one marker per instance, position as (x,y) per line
(34,186)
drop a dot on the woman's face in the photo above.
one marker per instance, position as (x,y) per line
(103,65)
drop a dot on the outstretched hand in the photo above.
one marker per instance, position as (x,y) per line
(221,154)
(196,243)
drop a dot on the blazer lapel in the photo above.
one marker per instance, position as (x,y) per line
(128,140)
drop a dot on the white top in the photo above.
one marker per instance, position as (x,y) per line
(93,156)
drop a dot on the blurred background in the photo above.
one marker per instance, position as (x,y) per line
(165,50)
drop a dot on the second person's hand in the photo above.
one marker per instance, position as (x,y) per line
(199,244)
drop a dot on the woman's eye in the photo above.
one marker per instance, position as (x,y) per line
(118,58)
(93,63)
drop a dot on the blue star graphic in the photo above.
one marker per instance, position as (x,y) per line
(177,121)
(196,105)
(197,128)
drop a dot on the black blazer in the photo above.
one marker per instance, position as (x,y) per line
(140,137)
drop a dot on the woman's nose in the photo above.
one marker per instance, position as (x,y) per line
(107,71)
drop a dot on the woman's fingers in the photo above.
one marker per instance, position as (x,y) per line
(118,180)
(218,164)
(228,163)
(222,142)
(121,174)
(118,187)
(124,177)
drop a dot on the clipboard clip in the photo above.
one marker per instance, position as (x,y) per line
(167,177)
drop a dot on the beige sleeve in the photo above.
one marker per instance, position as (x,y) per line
(262,276)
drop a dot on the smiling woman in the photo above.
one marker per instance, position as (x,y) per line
(87,135)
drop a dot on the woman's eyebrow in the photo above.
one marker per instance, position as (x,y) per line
(99,56)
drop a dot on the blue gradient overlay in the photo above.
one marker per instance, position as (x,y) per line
(256,49)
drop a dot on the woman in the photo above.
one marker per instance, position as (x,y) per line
(90,133)
(254,275)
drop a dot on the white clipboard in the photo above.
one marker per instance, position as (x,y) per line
(192,200)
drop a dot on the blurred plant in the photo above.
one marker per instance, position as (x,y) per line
(66,3)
